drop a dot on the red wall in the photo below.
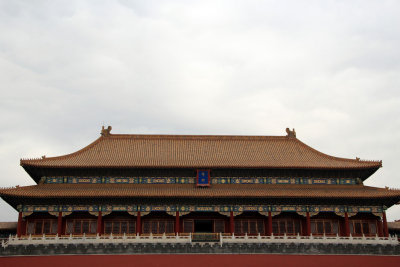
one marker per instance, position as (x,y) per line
(196,260)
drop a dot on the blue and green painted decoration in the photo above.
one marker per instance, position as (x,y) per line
(191,180)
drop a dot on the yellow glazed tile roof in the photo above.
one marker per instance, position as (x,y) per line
(198,151)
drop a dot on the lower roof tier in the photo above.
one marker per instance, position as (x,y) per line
(191,191)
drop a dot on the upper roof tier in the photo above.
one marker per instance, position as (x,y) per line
(198,151)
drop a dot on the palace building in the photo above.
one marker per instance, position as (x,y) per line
(198,185)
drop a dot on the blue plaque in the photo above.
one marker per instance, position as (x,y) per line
(203,178)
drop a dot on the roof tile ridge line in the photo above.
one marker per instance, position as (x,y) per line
(18,186)
(67,155)
(391,188)
(178,136)
(374,187)
(7,187)
(338,158)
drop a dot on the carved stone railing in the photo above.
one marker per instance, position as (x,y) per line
(189,239)
(96,239)
(206,237)
(372,240)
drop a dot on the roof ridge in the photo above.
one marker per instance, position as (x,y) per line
(194,136)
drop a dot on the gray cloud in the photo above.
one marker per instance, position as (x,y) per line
(330,69)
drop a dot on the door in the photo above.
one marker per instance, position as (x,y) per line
(203,226)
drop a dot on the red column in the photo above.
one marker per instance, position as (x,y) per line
(19,225)
(231,223)
(23,226)
(177,226)
(265,221)
(385,226)
(380,227)
(308,224)
(138,224)
(59,224)
(99,222)
(346,225)
(269,232)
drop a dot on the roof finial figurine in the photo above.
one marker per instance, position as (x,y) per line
(291,133)
(105,132)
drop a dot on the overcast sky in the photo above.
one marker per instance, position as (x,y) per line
(330,69)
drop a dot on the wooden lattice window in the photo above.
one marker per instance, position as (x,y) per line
(39,227)
(251,227)
(188,226)
(362,227)
(80,226)
(119,226)
(158,226)
(286,226)
(321,226)
(219,226)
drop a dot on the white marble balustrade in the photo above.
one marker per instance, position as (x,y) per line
(187,239)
